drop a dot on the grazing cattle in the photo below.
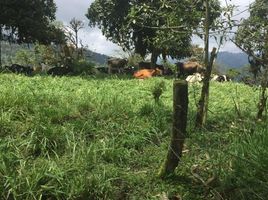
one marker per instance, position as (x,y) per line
(19,69)
(189,68)
(195,78)
(220,78)
(116,65)
(147,73)
(59,71)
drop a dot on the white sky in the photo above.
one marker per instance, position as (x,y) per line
(93,38)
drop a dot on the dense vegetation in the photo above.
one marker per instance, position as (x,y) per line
(106,137)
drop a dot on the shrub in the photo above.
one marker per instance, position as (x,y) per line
(158,90)
(82,67)
(134,60)
(25,57)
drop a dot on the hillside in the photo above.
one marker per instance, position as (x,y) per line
(232,60)
(96,57)
(106,138)
(225,59)
(9,51)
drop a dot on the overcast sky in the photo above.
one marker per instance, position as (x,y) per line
(93,38)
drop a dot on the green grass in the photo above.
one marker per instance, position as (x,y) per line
(106,138)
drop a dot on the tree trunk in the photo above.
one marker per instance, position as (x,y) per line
(154,58)
(203,102)
(76,41)
(180,109)
(263,96)
(140,46)
(206,35)
(0,46)
(201,115)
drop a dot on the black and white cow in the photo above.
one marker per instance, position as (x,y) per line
(220,78)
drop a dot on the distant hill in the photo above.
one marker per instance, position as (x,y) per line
(9,51)
(227,59)
(96,57)
(224,59)
(232,60)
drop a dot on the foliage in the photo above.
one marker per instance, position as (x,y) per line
(46,54)
(134,59)
(105,14)
(144,25)
(252,35)
(29,20)
(25,57)
(105,138)
(36,55)
(83,67)
(233,73)
(158,90)
(75,26)
(169,65)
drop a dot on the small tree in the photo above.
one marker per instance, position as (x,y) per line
(29,21)
(252,38)
(211,27)
(75,26)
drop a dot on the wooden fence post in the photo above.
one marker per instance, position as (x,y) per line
(180,109)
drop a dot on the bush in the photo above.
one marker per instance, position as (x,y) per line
(134,60)
(25,57)
(158,90)
(82,67)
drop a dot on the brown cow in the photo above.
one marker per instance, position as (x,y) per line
(189,68)
(116,65)
(147,73)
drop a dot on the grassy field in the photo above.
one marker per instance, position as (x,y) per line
(106,138)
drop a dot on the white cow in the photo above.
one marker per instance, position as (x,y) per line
(195,78)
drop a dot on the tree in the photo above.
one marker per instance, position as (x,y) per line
(157,27)
(216,26)
(165,26)
(252,38)
(29,20)
(75,26)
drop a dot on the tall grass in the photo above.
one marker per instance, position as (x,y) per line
(105,138)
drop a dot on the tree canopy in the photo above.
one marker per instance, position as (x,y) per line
(252,38)
(148,26)
(30,20)
(252,35)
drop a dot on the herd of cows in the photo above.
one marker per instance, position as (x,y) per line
(30,71)
(191,71)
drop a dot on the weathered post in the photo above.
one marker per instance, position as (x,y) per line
(180,109)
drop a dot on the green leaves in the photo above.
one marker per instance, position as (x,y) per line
(29,19)
(163,26)
(253,31)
